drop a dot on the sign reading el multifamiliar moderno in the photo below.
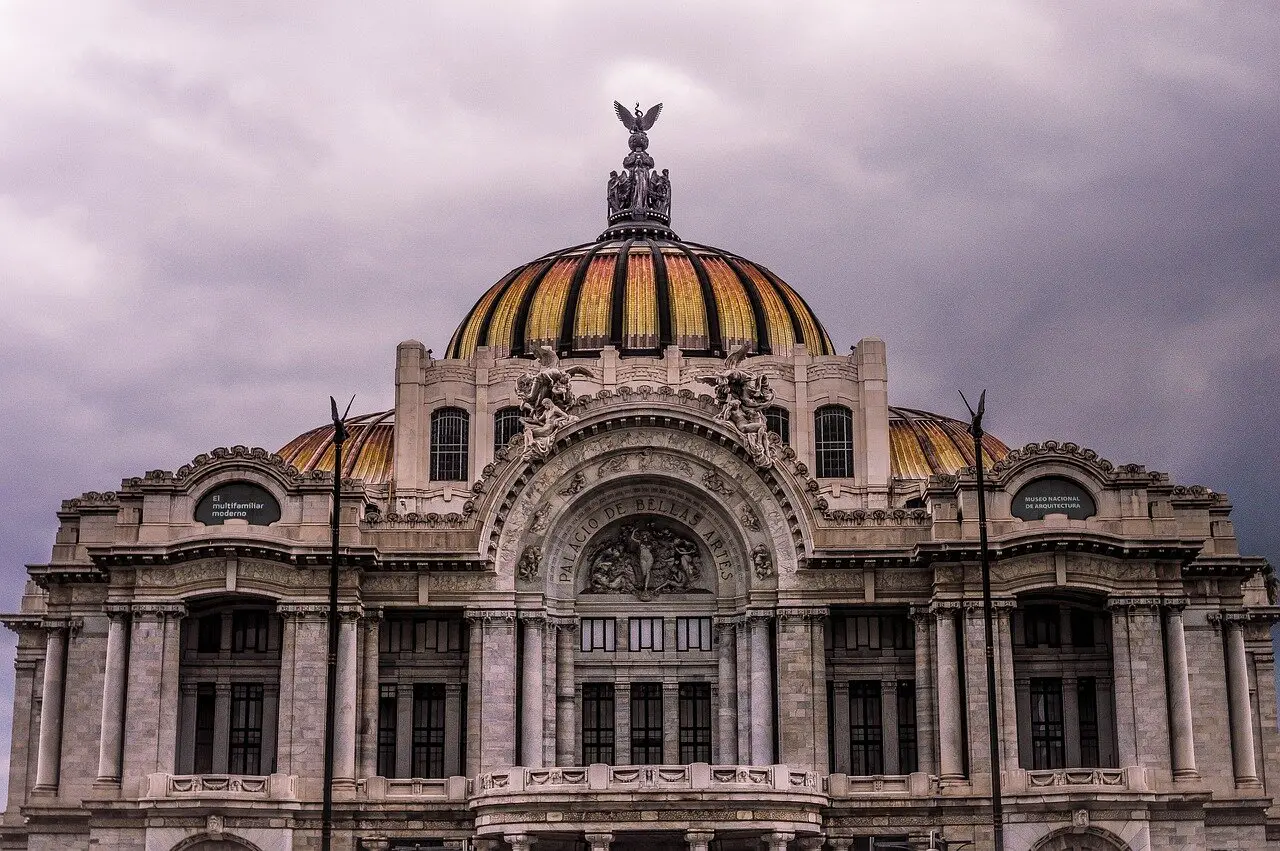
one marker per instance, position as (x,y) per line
(238,501)
(1053,495)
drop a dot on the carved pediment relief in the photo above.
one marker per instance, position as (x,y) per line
(644,558)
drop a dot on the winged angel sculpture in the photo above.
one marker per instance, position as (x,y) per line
(545,398)
(743,396)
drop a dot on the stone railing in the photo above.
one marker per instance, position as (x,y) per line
(1049,781)
(272,787)
(418,788)
(698,777)
(915,785)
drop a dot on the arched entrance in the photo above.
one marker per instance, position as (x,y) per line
(1078,839)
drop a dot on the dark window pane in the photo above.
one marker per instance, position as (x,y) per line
(833,441)
(1042,625)
(1087,705)
(249,632)
(387,730)
(778,421)
(695,722)
(1082,628)
(206,710)
(245,756)
(907,758)
(597,723)
(449,436)
(506,425)
(1047,735)
(865,731)
(209,634)
(428,730)
(646,723)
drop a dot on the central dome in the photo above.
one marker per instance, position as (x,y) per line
(639,294)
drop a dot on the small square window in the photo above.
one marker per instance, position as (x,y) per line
(646,634)
(693,634)
(598,634)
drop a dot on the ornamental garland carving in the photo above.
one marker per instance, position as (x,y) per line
(645,560)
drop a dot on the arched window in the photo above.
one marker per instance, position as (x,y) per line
(779,422)
(833,441)
(449,427)
(506,425)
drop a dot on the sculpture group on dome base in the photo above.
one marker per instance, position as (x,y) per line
(639,192)
(743,396)
(545,398)
(645,560)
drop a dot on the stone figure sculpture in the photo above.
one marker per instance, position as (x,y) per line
(645,560)
(545,397)
(743,396)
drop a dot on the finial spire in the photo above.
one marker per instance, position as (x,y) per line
(640,197)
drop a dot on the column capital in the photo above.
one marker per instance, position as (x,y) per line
(699,837)
(519,841)
(803,614)
(778,839)
(116,611)
(599,841)
(536,618)
(920,614)
(998,604)
(811,843)
(889,687)
(945,608)
(168,610)
(491,617)
(302,611)
(725,623)
(372,617)
(758,617)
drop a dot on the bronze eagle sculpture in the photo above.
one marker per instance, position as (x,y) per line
(640,121)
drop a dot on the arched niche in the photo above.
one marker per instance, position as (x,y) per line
(1081,839)
(536,538)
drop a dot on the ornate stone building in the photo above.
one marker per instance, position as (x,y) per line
(644,562)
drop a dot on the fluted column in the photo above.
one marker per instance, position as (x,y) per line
(889,733)
(566,708)
(369,695)
(923,621)
(1181,734)
(113,692)
(171,660)
(497,728)
(475,677)
(152,708)
(1243,757)
(951,758)
(727,711)
(344,720)
(761,690)
(50,749)
(531,729)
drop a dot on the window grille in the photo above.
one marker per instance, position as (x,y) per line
(206,712)
(449,427)
(907,753)
(598,634)
(646,723)
(872,632)
(693,634)
(420,635)
(428,730)
(597,723)
(646,634)
(695,722)
(1047,734)
(865,731)
(506,425)
(833,441)
(778,421)
(245,741)
(387,730)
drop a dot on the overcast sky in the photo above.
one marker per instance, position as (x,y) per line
(215,215)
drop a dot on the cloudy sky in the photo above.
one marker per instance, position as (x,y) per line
(214,215)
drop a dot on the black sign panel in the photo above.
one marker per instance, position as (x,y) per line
(1053,495)
(238,501)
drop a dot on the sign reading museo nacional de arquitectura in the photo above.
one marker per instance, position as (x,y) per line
(1053,495)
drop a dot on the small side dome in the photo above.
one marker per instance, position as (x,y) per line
(922,444)
(366,454)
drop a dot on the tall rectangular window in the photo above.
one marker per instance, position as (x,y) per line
(597,723)
(646,634)
(695,722)
(387,730)
(1087,703)
(907,754)
(245,741)
(646,723)
(1047,734)
(507,424)
(206,712)
(833,441)
(449,438)
(598,634)
(693,634)
(778,421)
(428,730)
(249,632)
(866,734)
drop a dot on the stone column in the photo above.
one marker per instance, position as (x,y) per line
(369,695)
(670,723)
(802,728)
(1071,721)
(531,695)
(1002,633)
(597,841)
(777,841)
(452,729)
(621,721)
(761,690)
(221,726)
(303,672)
(284,710)
(889,726)
(151,711)
(113,691)
(727,674)
(475,677)
(1243,756)
(742,647)
(167,729)
(187,727)
(1182,736)
(925,759)
(818,689)
(1142,709)
(49,757)
(344,719)
(699,840)
(270,725)
(566,708)
(497,729)
(520,841)
(404,729)
(840,723)
(951,756)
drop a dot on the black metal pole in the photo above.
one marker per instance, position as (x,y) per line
(331,678)
(997,806)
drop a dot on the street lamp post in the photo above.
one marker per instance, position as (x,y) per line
(997,807)
(331,679)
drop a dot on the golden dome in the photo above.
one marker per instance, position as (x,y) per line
(639,294)
(920,445)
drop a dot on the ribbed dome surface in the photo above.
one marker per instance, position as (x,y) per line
(639,294)
(920,444)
